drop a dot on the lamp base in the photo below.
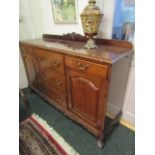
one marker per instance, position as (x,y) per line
(90,44)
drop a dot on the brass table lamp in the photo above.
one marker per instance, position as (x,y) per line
(91,18)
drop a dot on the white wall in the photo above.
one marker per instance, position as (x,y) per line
(129,101)
(26,31)
(106,6)
(38,19)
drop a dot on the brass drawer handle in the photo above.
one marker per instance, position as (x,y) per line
(38,59)
(82,66)
(55,64)
(58,83)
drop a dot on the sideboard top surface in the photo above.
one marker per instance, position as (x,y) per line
(108,51)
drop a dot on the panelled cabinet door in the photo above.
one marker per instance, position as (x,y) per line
(85,97)
(34,76)
(31,67)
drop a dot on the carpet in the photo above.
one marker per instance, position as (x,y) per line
(36,137)
(121,141)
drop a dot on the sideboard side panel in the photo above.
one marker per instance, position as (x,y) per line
(117,88)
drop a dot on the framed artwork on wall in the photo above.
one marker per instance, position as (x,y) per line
(64,11)
(124,20)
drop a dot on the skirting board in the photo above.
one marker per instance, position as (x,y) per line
(123,122)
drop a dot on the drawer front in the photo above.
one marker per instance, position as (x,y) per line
(58,97)
(39,84)
(26,50)
(86,66)
(54,80)
(49,60)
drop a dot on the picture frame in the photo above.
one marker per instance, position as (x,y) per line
(64,11)
(124,20)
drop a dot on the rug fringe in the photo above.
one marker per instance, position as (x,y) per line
(61,141)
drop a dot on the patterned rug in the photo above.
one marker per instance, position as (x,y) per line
(36,137)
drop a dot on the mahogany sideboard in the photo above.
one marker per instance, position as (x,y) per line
(77,81)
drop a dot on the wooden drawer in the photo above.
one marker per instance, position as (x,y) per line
(54,80)
(39,84)
(50,60)
(86,66)
(26,50)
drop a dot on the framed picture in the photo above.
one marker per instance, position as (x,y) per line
(128,31)
(129,2)
(64,11)
(124,20)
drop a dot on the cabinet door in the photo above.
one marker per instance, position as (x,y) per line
(33,74)
(86,96)
(31,68)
